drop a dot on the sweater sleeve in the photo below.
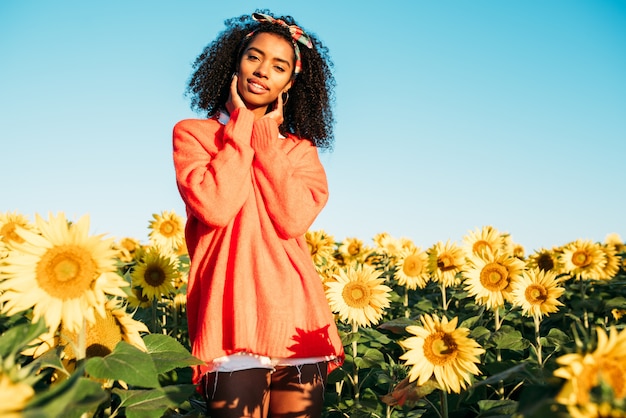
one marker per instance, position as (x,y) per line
(293,183)
(214,179)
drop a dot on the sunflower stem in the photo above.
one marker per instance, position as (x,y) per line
(498,323)
(583,296)
(154,315)
(443,398)
(444,296)
(407,311)
(355,371)
(538,348)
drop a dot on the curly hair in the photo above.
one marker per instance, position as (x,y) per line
(308,112)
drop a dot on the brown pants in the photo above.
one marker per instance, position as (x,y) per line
(286,392)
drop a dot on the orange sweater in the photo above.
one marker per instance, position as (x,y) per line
(250,196)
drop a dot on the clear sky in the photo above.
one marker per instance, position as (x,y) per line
(450,115)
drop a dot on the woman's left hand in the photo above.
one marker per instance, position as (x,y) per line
(277,113)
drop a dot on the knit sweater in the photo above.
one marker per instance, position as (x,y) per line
(250,196)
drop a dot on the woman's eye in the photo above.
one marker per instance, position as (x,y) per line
(280,69)
(252,57)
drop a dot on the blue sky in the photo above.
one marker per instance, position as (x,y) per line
(450,115)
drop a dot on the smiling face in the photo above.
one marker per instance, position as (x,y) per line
(265,71)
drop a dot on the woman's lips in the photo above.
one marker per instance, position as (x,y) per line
(257,87)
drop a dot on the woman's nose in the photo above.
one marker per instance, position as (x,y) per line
(261,70)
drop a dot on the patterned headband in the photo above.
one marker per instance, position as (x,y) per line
(297,36)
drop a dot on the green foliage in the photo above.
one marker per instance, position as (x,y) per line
(514,382)
(516,371)
(127,382)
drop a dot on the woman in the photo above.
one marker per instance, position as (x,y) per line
(253,184)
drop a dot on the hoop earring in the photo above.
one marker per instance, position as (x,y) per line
(285,98)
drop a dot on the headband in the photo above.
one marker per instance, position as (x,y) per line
(297,36)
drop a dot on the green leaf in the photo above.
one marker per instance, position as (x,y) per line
(618,303)
(370,358)
(509,340)
(480,333)
(50,359)
(515,371)
(470,322)
(398,325)
(555,338)
(349,338)
(153,402)
(503,407)
(16,338)
(168,354)
(84,396)
(126,363)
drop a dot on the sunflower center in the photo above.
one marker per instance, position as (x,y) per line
(168,228)
(154,276)
(353,249)
(101,337)
(445,262)
(545,262)
(536,294)
(580,258)
(412,266)
(66,271)
(494,277)
(7,232)
(440,348)
(614,373)
(356,295)
(480,246)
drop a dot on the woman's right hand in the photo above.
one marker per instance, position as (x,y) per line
(234,99)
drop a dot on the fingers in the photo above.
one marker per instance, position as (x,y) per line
(233,86)
(234,100)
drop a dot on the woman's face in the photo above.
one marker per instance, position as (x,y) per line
(265,71)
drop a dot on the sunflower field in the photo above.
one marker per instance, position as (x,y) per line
(96,327)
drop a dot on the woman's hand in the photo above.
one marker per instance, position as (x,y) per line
(234,99)
(277,113)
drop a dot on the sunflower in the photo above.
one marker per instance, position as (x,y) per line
(441,349)
(445,261)
(490,278)
(594,410)
(62,273)
(128,249)
(545,260)
(327,272)
(358,295)
(13,396)
(155,274)
(321,246)
(4,250)
(412,269)
(615,240)
(101,337)
(167,230)
(584,372)
(137,299)
(537,293)
(389,245)
(108,330)
(486,239)
(518,251)
(352,250)
(511,247)
(583,259)
(9,223)
(613,262)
